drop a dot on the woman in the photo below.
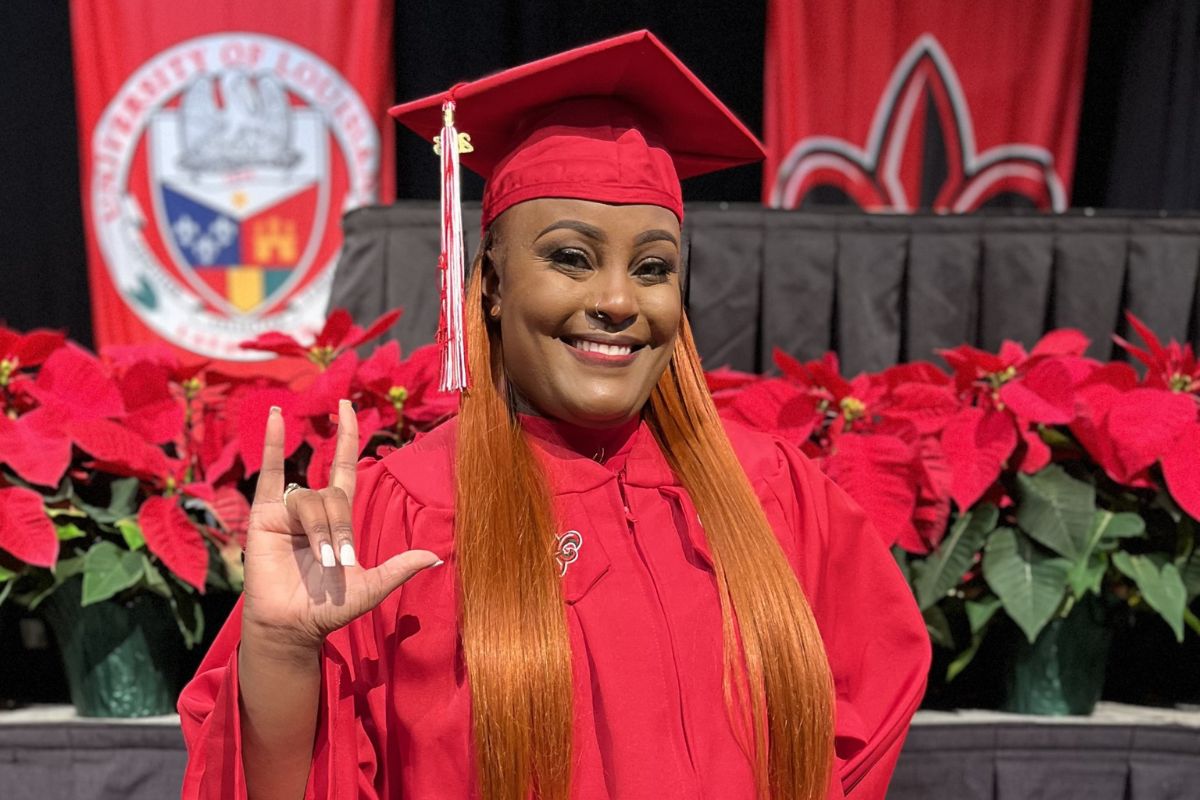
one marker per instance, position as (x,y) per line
(635,602)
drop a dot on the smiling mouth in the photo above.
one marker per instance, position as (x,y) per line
(600,348)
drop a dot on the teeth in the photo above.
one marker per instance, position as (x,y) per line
(606,349)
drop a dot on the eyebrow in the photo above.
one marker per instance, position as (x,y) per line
(656,235)
(592,232)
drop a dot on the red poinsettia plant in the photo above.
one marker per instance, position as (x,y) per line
(131,469)
(1022,480)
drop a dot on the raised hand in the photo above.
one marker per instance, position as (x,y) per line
(302,578)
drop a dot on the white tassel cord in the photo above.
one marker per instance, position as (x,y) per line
(452,262)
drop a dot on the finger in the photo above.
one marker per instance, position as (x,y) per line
(344,470)
(337,511)
(270,477)
(391,574)
(307,508)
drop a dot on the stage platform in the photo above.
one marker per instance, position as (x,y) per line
(1120,753)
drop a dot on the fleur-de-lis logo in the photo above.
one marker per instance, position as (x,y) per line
(923,110)
(568,550)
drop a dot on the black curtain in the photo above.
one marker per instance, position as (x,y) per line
(1155,156)
(439,44)
(43,272)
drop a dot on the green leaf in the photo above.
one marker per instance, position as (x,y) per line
(945,567)
(82,508)
(107,569)
(979,614)
(1160,584)
(1192,621)
(64,490)
(6,577)
(123,500)
(1088,575)
(1029,582)
(1054,437)
(1189,567)
(1057,510)
(63,571)
(132,533)
(69,511)
(189,615)
(155,582)
(1106,532)
(1110,527)
(67,568)
(981,611)
(1190,572)
(185,605)
(938,627)
(901,558)
(69,530)
(963,659)
(1164,501)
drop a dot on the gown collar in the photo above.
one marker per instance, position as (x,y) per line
(608,447)
(588,457)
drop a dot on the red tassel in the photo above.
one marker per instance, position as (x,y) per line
(452,261)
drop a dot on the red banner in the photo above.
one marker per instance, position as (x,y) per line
(220,145)
(892,105)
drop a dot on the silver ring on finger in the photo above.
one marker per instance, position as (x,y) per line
(291,487)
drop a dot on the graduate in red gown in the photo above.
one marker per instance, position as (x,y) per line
(584,586)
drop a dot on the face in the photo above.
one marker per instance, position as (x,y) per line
(587,300)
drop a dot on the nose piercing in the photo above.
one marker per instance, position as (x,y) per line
(597,313)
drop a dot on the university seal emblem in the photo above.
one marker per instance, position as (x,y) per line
(220,171)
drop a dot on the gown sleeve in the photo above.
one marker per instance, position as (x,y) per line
(344,758)
(874,635)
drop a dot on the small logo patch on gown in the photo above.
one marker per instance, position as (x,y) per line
(568,550)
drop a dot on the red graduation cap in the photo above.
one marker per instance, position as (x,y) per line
(618,121)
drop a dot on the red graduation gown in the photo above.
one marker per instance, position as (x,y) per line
(645,631)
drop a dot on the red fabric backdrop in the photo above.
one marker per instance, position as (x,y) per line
(221,141)
(942,104)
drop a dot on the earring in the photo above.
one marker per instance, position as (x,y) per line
(494,312)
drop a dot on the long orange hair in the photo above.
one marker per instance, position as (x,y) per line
(514,629)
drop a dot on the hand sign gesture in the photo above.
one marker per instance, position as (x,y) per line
(302,578)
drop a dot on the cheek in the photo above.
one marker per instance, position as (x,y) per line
(663,309)
(539,317)
(529,327)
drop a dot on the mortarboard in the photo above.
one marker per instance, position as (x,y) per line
(618,121)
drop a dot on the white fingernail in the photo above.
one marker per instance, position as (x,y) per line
(345,404)
(437,563)
(348,555)
(327,559)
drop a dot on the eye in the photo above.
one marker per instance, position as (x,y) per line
(654,270)
(571,257)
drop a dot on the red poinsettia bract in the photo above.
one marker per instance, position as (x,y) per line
(1007,397)
(1129,425)
(338,335)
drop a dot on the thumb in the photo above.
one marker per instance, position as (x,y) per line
(391,574)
